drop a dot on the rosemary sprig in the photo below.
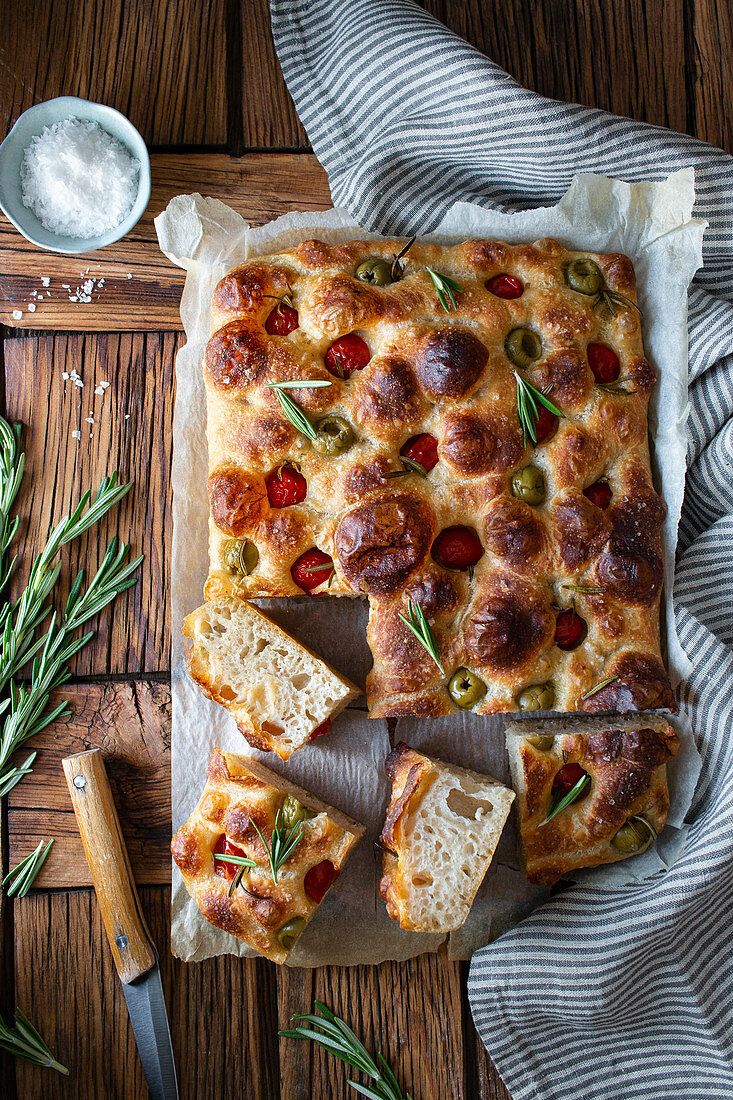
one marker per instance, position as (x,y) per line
(527,398)
(421,628)
(336,1037)
(283,299)
(20,879)
(599,687)
(617,387)
(244,863)
(294,413)
(12,464)
(322,569)
(23,1041)
(586,589)
(447,289)
(410,467)
(283,842)
(565,800)
(398,269)
(609,299)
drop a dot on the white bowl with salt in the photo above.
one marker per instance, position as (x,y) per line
(74,175)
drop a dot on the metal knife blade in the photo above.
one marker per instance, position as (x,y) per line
(146,1006)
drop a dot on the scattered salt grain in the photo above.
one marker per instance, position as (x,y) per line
(127,416)
(78,179)
(78,382)
(99,391)
(45,280)
(89,419)
(104,384)
(17,314)
(31,307)
(129,274)
(65,375)
(76,435)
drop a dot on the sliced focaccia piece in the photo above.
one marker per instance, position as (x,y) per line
(279,692)
(443,825)
(589,791)
(247,812)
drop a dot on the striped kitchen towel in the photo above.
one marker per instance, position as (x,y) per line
(625,993)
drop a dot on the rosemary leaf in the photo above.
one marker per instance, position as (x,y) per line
(600,686)
(294,413)
(587,589)
(420,627)
(447,289)
(20,879)
(527,398)
(23,1041)
(574,793)
(283,842)
(299,384)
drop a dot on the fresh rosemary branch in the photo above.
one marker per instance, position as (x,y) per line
(12,464)
(560,804)
(20,879)
(294,413)
(283,842)
(338,1039)
(244,863)
(23,1041)
(447,289)
(599,687)
(421,628)
(527,398)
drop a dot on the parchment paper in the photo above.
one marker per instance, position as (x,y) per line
(649,222)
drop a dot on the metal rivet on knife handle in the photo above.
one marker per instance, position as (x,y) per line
(109,864)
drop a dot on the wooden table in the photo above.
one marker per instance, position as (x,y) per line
(200,81)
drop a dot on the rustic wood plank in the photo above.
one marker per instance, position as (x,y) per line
(269,118)
(626,57)
(130,722)
(131,434)
(260,187)
(160,62)
(222,1012)
(712,52)
(295,994)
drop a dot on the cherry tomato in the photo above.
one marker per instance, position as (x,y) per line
(282,320)
(322,730)
(423,449)
(570,629)
(566,779)
(546,425)
(285,486)
(505,286)
(319,878)
(457,548)
(599,493)
(604,362)
(347,354)
(224,847)
(311,569)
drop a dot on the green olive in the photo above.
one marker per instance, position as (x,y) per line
(537,697)
(584,276)
(540,741)
(294,811)
(289,932)
(240,557)
(523,347)
(466,688)
(635,835)
(528,485)
(378,272)
(334,436)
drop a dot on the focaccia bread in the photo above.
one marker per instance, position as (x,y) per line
(442,828)
(239,795)
(538,564)
(617,813)
(279,692)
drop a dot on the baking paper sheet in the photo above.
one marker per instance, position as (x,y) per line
(649,222)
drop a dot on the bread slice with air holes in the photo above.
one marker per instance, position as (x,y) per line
(443,825)
(279,691)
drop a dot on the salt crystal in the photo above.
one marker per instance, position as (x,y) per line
(17,314)
(76,435)
(65,375)
(89,419)
(127,416)
(73,373)
(78,382)
(40,297)
(31,307)
(105,385)
(99,391)
(79,180)
(45,280)
(129,274)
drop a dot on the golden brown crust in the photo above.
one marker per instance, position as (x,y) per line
(627,768)
(448,375)
(238,793)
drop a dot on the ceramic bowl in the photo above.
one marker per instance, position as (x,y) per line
(30,124)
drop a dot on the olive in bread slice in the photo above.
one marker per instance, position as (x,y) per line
(589,790)
(279,691)
(442,828)
(248,814)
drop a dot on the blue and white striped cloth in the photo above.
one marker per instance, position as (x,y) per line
(624,993)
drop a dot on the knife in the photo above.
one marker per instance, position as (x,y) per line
(132,947)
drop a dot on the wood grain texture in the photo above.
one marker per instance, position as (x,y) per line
(269,117)
(259,187)
(160,62)
(133,635)
(711,51)
(130,723)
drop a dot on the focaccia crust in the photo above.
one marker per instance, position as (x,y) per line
(447,374)
(240,791)
(627,763)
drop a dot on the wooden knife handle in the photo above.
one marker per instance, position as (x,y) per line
(109,863)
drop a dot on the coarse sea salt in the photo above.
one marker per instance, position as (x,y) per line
(79,180)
